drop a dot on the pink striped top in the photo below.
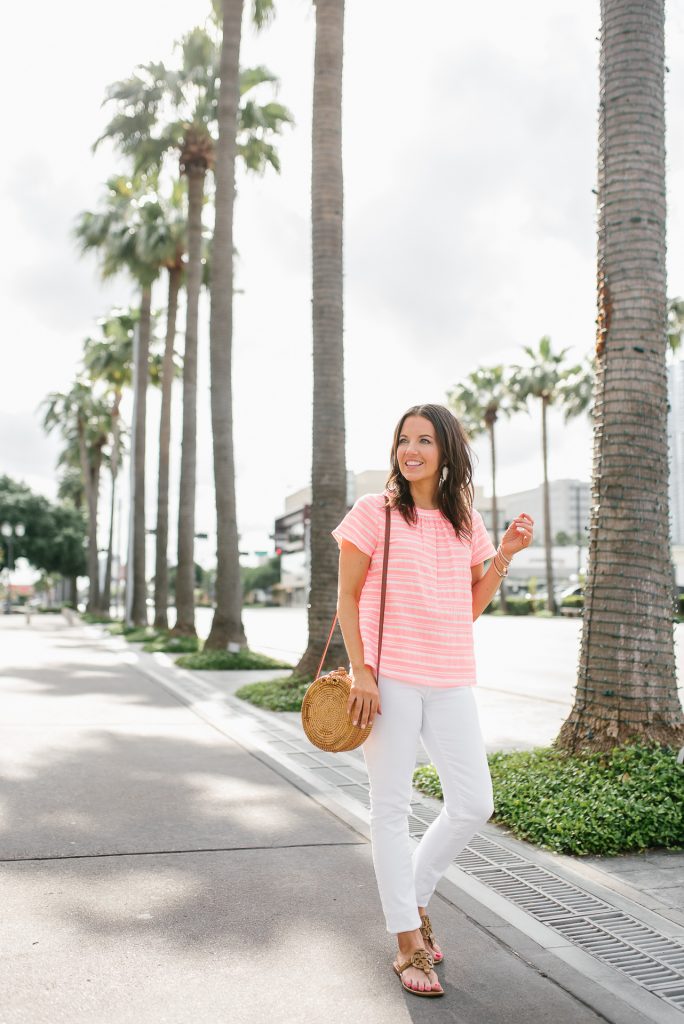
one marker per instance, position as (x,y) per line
(428,631)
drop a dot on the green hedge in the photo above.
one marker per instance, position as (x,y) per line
(520,605)
(627,800)
(227,661)
(277,694)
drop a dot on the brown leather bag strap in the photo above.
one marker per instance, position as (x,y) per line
(383,590)
(382,597)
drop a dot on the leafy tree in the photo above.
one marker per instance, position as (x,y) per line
(55,534)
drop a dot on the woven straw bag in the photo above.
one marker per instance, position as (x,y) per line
(325,719)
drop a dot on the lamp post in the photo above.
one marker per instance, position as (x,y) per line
(9,532)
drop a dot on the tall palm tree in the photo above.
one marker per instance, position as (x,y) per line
(675,324)
(174,208)
(241,133)
(329,472)
(70,491)
(126,236)
(84,421)
(627,681)
(478,403)
(160,111)
(542,379)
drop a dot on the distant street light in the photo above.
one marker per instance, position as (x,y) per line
(10,532)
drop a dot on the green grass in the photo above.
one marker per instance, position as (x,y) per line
(627,800)
(276,694)
(227,661)
(169,644)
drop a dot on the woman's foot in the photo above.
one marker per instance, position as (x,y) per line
(429,937)
(414,977)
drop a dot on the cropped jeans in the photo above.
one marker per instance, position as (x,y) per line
(446,720)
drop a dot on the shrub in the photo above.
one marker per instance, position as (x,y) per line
(628,799)
(96,619)
(520,605)
(172,644)
(277,694)
(140,634)
(229,661)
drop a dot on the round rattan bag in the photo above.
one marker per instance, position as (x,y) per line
(325,718)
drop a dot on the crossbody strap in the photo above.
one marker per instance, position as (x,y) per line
(383,591)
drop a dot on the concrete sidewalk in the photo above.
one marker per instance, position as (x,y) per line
(155,868)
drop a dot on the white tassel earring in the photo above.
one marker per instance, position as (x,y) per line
(444,474)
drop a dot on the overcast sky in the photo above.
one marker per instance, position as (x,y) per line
(469,163)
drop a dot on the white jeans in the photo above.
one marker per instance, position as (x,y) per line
(446,720)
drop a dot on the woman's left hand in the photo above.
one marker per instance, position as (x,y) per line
(518,535)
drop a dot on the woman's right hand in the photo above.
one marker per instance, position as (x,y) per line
(364,697)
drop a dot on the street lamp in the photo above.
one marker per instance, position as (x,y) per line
(9,532)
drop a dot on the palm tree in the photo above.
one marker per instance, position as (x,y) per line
(244,133)
(542,379)
(329,473)
(478,403)
(175,216)
(70,491)
(675,324)
(84,422)
(110,359)
(189,95)
(126,234)
(627,681)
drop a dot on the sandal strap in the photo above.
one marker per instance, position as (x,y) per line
(426,930)
(420,958)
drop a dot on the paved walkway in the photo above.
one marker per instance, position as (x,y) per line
(154,867)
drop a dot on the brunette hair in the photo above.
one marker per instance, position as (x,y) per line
(456,493)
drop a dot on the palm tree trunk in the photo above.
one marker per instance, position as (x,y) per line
(107,590)
(548,536)
(627,684)
(139,604)
(161,571)
(495,512)
(329,475)
(89,483)
(114,470)
(226,627)
(185,576)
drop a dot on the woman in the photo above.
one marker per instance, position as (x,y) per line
(436,587)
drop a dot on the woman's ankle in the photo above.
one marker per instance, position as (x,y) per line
(408,941)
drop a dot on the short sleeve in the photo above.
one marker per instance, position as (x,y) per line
(361,525)
(482,546)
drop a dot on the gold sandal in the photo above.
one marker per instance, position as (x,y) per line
(429,938)
(423,960)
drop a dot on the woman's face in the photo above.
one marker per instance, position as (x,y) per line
(418,452)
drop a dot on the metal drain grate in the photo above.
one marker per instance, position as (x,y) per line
(651,960)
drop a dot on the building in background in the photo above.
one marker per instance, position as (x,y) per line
(292,539)
(570,502)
